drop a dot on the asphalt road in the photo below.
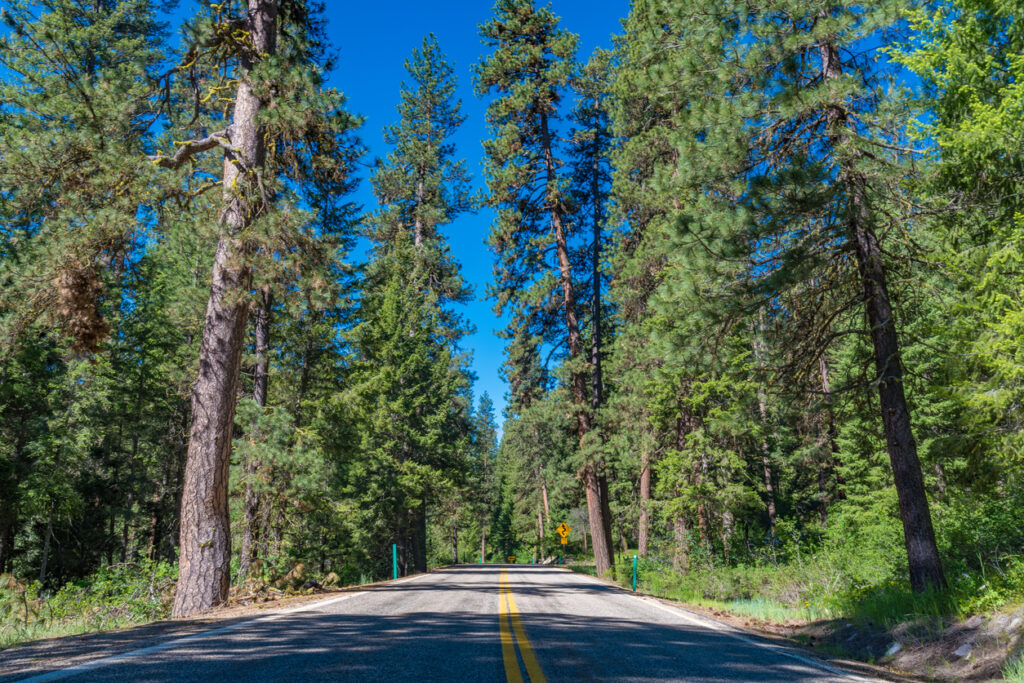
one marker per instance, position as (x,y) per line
(469,623)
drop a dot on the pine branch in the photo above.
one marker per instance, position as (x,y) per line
(189,149)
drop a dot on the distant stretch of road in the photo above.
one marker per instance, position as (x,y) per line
(469,623)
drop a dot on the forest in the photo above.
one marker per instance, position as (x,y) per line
(759,266)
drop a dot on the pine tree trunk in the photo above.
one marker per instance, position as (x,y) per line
(728,527)
(600,527)
(540,530)
(922,552)
(205,562)
(46,547)
(925,567)
(483,546)
(544,498)
(599,540)
(455,541)
(419,539)
(644,522)
(762,406)
(251,502)
(681,554)
(606,513)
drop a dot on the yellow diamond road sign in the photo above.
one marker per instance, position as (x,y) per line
(563,529)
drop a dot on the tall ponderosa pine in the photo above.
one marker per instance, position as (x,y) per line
(529,70)
(795,159)
(263,72)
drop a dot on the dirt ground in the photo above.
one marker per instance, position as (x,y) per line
(934,650)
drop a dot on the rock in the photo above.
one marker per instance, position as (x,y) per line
(332,579)
(963,651)
(893,649)
(975,621)
(311,584)
(293,578)
(1014,625)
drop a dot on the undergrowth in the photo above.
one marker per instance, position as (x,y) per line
(854,569)
(116,596)
(1013,669)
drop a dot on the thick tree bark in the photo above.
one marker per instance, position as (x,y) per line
(606,513)
(483,546)
(540,532)
(831,429)
(600,525)
(925,567)
(205,561)
(681,550)
(251,502)
(766,463)
(644,523)
(455,541)
(544,499)
(599,540)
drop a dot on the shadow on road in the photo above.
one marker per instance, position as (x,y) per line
(442,646)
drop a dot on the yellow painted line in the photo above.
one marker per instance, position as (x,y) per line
(508,612)
(508,647)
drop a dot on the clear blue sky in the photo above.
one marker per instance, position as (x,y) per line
(373,40)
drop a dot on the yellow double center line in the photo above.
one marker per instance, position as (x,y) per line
(508,614)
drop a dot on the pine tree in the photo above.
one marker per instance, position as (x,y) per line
(410,394)
(966,54)
(800,175)
(313,120)
(421,186)
(529,70)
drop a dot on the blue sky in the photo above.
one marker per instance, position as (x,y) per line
(373,40)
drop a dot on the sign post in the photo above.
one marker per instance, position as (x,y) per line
(394,559)
(634,573)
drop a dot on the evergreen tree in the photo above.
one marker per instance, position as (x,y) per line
(799,177)
(530,68)
(265,73)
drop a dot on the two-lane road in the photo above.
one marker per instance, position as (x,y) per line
(468,623)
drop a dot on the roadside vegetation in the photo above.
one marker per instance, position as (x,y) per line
(115,597)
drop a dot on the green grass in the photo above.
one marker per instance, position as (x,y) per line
(115,597)
(1013,669)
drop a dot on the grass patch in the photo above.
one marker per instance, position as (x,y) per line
(1013,669)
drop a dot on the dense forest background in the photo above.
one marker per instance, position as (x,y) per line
(761,265)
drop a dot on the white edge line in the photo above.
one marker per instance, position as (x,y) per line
(700,620)
(159,647)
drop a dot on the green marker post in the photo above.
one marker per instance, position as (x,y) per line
(634,573)
(394,559)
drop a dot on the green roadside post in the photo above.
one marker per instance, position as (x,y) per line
(634,573)
(394,559)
